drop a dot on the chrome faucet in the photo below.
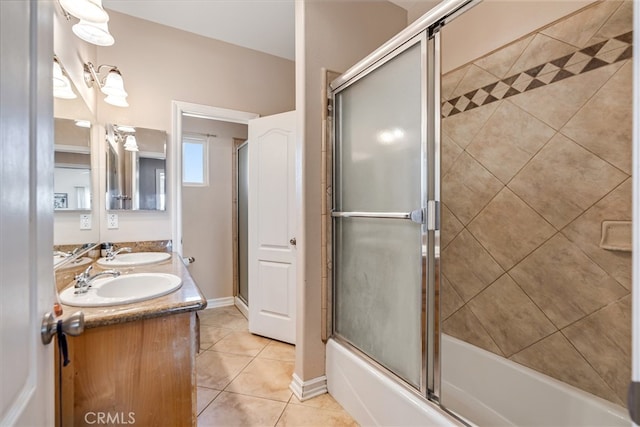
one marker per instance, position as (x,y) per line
(83,280)
(111,254)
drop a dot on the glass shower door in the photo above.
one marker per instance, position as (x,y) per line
(380,199)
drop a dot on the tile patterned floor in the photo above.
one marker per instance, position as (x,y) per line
(243,379)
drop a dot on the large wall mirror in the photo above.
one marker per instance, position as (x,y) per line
(74,183)
(136,168)
(72,172)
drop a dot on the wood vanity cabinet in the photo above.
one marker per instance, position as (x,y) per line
(138,372)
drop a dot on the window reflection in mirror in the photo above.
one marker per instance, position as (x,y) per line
(72,172)
(136,168)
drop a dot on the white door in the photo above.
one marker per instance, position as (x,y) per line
(272,226)
(26,212)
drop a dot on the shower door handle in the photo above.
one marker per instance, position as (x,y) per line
(429,215)
(417,216)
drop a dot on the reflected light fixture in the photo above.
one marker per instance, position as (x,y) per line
(125,134)
(112,85)
(93,18)
(130,143)
(61,83)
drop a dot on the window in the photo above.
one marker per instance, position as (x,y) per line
(194,162)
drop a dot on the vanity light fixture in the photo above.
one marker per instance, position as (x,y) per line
(112,85)
(61,83)
(93,18)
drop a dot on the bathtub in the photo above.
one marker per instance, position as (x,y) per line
(477,382)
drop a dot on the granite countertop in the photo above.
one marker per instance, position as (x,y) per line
(187,298)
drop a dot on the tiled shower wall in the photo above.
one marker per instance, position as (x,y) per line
(536,153)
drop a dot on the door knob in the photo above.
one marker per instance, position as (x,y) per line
(292,241)
(73,325)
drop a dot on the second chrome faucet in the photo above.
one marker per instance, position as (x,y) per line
(84,279)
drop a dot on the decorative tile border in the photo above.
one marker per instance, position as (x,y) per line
(590,58)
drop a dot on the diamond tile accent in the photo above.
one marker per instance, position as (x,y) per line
(583,60)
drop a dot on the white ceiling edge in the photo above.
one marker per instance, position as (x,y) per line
(264,25)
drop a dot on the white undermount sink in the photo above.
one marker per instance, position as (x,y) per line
(134,258)
(125,289)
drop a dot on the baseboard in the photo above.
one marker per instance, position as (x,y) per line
(305,390)
(240,305)
(219,302)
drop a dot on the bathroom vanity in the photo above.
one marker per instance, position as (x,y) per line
(134,363)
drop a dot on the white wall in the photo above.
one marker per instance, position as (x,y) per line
(207,211)
(492,24)
(160,64)
(356,29)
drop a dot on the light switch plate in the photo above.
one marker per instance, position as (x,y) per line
(85,222)
(112,221)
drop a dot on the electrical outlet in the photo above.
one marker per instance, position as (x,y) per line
(85,222)
(112,220)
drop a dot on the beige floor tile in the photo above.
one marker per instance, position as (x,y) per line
(231,409)
(509,229)
(215,370)
(563,180)
(301,415)
(205,396)
(603,339)
(223,318)
(557,102)
(542,49)
(279,351)
(242,343)
(556,357)
(581,27)
(468,266)
(465,326)
(501,61)
(468,187)
(264,378)
(564,283)
(209,335)
(603,125)
(586,232)
(509,316)
(324,401)
(509,140)
(464,126)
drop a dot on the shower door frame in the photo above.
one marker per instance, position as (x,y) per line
(426,32)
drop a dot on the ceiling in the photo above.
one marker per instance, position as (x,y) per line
(263,25)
